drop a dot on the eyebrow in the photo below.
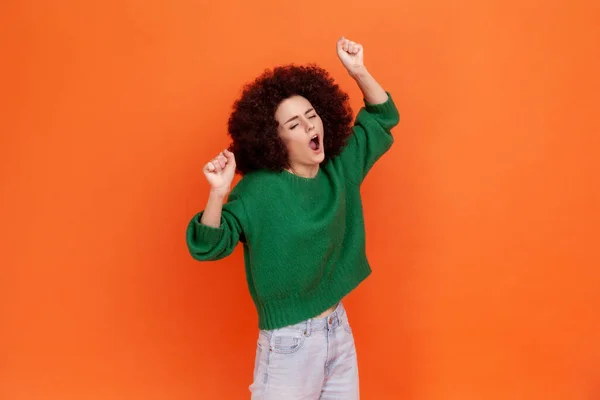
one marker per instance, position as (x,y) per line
(296,117)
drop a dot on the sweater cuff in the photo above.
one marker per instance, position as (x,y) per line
(205,233)
(386,107)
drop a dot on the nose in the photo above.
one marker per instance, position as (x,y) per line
(309,125)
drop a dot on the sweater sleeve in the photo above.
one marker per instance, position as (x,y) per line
(371,138)
(206,243)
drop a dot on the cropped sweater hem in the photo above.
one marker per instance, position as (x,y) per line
(298,307)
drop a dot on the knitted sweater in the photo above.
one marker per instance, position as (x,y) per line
(303,238)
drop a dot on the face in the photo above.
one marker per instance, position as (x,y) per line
(301,129)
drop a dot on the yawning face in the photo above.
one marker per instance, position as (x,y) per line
(301,129)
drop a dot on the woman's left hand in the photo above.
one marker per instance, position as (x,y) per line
(351,55)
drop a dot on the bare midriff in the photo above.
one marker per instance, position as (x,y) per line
(326,312)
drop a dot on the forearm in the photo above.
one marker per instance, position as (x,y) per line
(371,89)
(212,212)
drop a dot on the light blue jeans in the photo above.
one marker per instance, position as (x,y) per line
(311,360)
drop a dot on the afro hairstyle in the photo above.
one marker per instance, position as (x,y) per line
(253,128)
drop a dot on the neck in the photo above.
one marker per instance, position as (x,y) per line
(304,170)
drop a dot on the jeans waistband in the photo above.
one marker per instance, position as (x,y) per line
(329,322)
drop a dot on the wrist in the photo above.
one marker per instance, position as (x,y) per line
(358,73)
(218,194)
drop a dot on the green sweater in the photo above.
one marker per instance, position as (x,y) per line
(303,238)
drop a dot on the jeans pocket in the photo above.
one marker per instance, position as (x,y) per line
(287,341)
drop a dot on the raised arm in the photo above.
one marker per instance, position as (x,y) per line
(214,233)
(219,173)
(351,55)
(371,136)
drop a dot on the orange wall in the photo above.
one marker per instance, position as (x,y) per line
(482,221)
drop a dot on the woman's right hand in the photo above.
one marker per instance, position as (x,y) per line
(219,172)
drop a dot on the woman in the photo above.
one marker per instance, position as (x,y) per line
(298,213)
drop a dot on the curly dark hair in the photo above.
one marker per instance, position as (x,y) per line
(253,127)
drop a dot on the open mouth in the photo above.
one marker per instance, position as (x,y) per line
(315,143)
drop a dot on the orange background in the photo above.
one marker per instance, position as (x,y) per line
(482,220)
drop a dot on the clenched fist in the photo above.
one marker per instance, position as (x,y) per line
(219,172)
(351,55)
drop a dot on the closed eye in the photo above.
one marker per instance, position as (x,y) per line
(309,117)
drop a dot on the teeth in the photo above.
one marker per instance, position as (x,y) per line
(314,137)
